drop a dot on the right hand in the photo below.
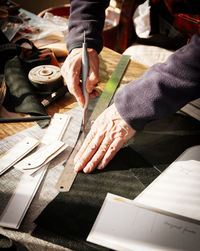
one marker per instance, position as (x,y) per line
(71,70)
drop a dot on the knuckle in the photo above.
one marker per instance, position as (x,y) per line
(93,146)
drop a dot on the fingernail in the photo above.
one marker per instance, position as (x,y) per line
(87,170)
(76,168)
(100,167)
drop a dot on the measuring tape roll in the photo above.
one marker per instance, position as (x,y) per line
(46,77)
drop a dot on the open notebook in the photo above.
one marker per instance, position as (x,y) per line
(164,217)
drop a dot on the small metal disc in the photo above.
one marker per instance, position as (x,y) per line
(46,77)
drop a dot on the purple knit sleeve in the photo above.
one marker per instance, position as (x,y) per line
(88,16)
(163,89)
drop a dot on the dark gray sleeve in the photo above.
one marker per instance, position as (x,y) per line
(163,89)
(88,16)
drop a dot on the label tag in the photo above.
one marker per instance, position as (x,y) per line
(17,152)
(41,157)
(56,128)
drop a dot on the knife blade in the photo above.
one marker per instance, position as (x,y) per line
(85,71)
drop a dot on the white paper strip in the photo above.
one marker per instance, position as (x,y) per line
(16,153)
(20,201)
(24,193)
(41,157)
(56,128)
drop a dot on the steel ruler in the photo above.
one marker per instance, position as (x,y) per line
(68,175)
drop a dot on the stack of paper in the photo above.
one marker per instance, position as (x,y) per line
(165,216)
(121,225)
(177,189)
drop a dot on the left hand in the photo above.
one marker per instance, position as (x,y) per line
(108,134)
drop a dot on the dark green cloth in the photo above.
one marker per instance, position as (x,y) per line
(7,244)
(20,94)
(162,141)
(68,219)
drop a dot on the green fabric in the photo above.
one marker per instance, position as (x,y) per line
(20,95)
(68,219)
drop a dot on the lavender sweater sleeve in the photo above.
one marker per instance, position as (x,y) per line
(88,16)
(163,89)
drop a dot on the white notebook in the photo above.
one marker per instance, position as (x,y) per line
(160,218)
(123,226)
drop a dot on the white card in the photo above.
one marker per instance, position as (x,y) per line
(17,152)
(121,225)
(20,201)
(41,157)
(56,129)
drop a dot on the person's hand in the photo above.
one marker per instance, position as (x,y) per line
(108,134)
(71,70)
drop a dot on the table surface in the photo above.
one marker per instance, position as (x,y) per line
(108,61)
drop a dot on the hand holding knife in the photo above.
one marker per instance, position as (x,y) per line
(85,71)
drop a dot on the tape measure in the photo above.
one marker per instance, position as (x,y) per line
(68,175)
(46,77)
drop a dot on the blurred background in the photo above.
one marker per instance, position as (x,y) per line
(37,6)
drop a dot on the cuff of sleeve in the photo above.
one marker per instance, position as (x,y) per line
(90,44)
(73,46)
(124,107)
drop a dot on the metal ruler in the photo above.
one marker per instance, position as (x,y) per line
(68,175)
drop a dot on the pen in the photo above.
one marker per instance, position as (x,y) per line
(85,70)
(23,119)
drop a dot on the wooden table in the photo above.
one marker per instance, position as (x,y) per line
(108,61)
